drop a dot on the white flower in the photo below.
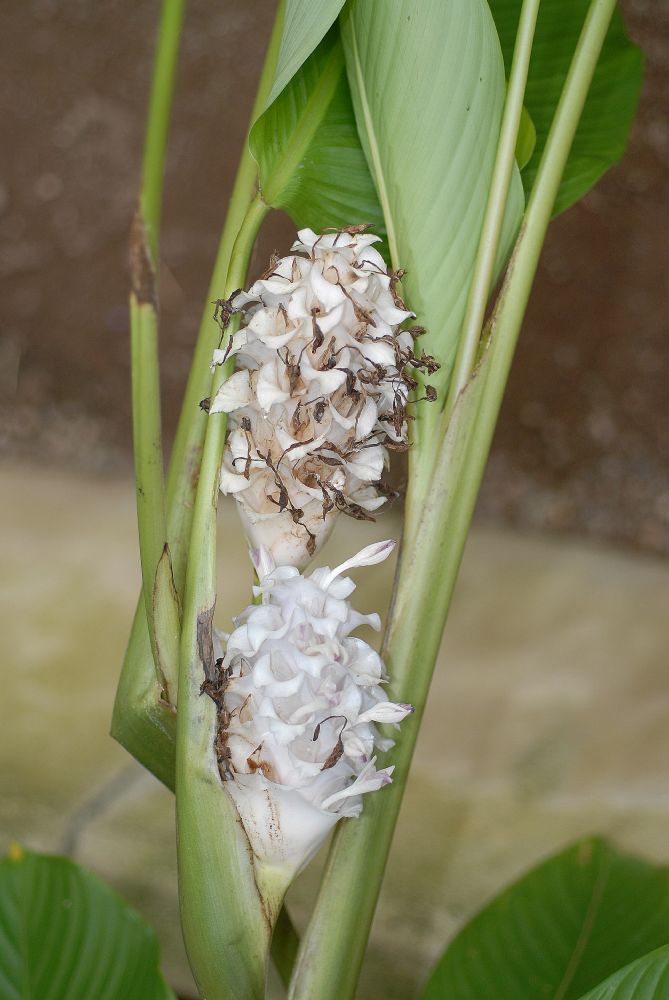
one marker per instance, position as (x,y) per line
(320,392)
(298,697)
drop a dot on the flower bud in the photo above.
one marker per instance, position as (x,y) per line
(298,697)
(320,393)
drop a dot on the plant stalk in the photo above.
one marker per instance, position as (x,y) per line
(158,120)
(157,586)
(484,265)
(142,722)
(189,438)
(226,928)
(332,950)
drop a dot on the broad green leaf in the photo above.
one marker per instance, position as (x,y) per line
(609,109)
(645,979)
(307,148)
(65,934)
(428,87)
(305,24)
(560,930)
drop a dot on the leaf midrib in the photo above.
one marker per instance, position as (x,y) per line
(374,153)
(584,934)
(27,992)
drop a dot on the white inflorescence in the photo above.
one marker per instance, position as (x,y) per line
(297,700)
(320,392)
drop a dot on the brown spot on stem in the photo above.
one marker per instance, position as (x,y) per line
(205,643)
(142,273)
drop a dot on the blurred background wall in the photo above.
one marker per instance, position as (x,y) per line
(583,442)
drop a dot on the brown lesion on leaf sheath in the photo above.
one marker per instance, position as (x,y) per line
(216,678)
(142,273)
(205,642)
(167,698)
(215,688)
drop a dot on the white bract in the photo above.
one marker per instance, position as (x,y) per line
(319,394)
(298,697)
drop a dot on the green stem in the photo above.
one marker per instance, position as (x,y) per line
(431,424)
(143,724)
(162,657)
(493,219)
(187,448)
(147,436)
(332,950)
(510,309)
(160,106)
(226,929)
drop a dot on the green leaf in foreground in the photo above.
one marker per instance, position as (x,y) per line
(307,148)
(609,109)
(560,930)
(305,23)
(64,933)
(645,979)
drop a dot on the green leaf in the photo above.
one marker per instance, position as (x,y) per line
(307,148)
(64,933)
(305,24)
(645,979)
(560,930)
(527,139)
(609,109)
(428,86)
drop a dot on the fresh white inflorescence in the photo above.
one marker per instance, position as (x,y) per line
(297,700)
(320,392)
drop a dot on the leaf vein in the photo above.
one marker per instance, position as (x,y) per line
(586,930)
(374,151)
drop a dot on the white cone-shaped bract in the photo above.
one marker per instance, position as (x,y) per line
(320,392)
(298,697)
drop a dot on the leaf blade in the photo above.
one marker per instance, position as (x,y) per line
(305,24)
(422,134)
(559,930)
(645,979)
(306,144)
(63,932)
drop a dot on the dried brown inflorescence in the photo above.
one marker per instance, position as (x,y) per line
(324,374)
